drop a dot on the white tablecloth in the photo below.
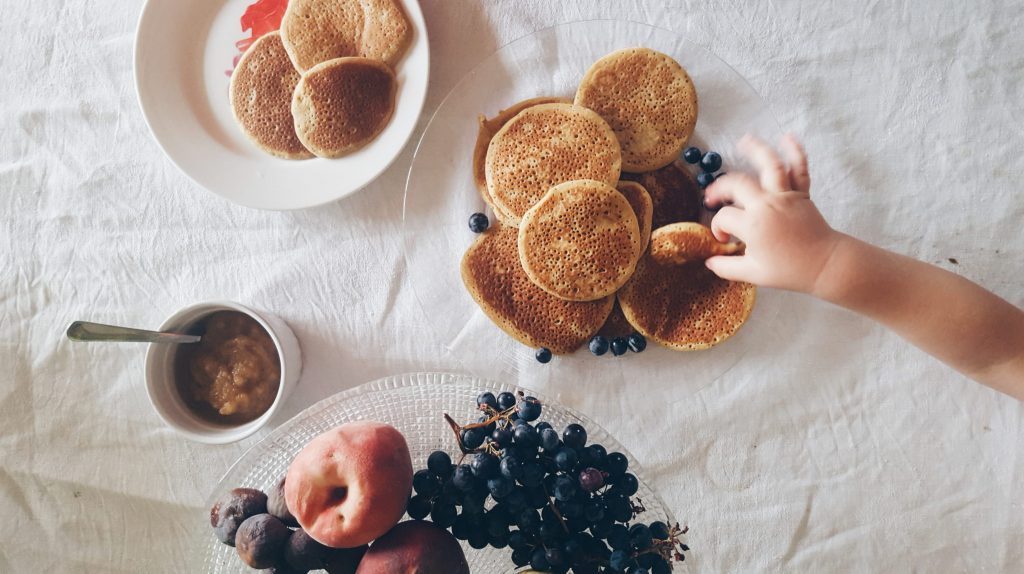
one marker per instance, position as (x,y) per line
(836,447)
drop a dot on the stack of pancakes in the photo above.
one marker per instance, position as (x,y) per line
(596,216)
(325,84)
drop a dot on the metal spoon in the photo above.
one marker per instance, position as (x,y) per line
(85,331)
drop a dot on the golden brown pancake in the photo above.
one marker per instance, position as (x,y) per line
(680,243)
(341,105)
(495,279)
(487,129)
(261,98)
(543,146)
(642,205)
(674,192)
(315,31)
(684,307)
(648,99)
(580,242)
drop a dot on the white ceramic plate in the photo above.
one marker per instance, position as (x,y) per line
(183,50)
(440,196)
(414,404)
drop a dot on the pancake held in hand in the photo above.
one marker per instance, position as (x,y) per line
(580,242)
(341,105)
(684,307)
(649,101)
(681,243)
(673,191)
(315,31)
(546,145)
(261,98)
(489,127)
(495,279)
(642,205)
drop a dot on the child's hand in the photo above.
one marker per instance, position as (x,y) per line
(788,241)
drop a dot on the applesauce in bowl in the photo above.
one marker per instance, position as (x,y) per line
(233,374)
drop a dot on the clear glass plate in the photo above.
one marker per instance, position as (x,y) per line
(414,404)
(440,196)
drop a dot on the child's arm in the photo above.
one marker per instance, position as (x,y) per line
(790,246)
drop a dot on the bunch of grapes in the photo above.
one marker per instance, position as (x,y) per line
(558,503)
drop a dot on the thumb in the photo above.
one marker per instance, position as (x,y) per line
(730,267)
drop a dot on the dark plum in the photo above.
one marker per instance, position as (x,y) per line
(230,510)
(303,553)
(277,507)
(260,540)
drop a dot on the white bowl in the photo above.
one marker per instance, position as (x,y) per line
(162,387)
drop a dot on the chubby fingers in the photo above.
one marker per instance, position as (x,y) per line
(729,221)
(734,188)
(796,157)
(730,267)
(772,172)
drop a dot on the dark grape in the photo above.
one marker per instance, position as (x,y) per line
(498,539)
(550,533)
(565,489)
(518,540)
(506,400)
(555,556)
(533,474)
(525,436)
(549,440)
(473,438)
(595,455)
(440,464)
(419,507)
(618,507)
(659,530)
(536,498)
(574,436)
(460,528)
(529,409)
(620,560)
(539,561)
(661,567)
(502,437)
(640,536)
(521,556)
(500,486)
(565,458)
(484,465)
(618,537)
(487,399)
(594,511)
(529,520)
(426,483)
(511,467)
(478,539)
(616,463)
(627,484)
(443,515)
(462,478)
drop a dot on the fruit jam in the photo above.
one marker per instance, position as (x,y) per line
(261,17)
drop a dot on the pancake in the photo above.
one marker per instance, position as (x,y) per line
(649,101)
(261,98)
(674,192)
(495,279)
(486,131)
(684,307)
(580,242)
(315,31)
(543,146)
(616,325)
(341,105)
(681,243)
(643,208)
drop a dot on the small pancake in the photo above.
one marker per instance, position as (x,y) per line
(495,279)
(674,192)
(341,105)
(487,129)
(642,205)
(315,31)
(543,146)
(261,98)
(616,325)
(648,99)
(580,242)
(681,243)
(685,307)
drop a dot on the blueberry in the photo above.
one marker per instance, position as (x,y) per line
(506,400)
(692,155)
(543,355)
(711,162)
(705,179)
(599,345)
(440,463)
(478,223)
(619,346)
(637,343)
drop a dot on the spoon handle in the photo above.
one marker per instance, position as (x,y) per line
(85,331)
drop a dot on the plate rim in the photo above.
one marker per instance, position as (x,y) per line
(417,18)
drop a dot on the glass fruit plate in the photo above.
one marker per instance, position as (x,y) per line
(414,404)
(440,196)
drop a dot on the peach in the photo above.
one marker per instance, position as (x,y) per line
(350,485)
(415,546)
